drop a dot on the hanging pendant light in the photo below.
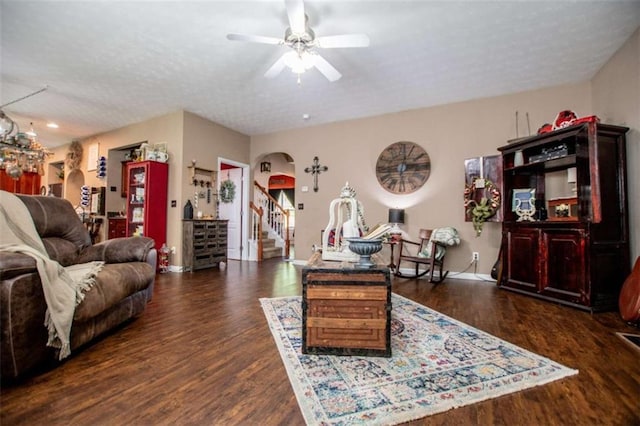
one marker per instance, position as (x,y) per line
(6,125)
(31,133)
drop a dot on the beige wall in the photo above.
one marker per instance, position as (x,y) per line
(206,142)
(163,129)
(616,99)
(187,136)
(449,133)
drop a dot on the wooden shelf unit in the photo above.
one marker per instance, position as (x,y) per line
(147,184)
(581,260)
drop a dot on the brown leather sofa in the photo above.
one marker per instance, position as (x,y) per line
(122,289)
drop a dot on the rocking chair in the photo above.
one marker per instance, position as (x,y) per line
(428,254)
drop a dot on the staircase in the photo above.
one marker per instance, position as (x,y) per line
(269,249)
(269,227)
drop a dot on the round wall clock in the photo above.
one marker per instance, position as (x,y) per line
(403,167)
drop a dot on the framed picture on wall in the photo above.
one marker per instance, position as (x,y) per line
(92,157)
(526,196)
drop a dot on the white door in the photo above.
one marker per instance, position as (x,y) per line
(233,213)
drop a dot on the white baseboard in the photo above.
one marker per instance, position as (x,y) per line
(455,275)
(471,276)
(452,274)
(408,271)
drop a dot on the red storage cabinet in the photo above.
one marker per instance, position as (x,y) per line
(147,183)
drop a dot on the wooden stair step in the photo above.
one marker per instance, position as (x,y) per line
(272,252)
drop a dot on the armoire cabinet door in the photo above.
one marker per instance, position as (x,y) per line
(563,271)
(523,269)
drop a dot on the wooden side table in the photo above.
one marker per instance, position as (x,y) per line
(345,311)
(392,258)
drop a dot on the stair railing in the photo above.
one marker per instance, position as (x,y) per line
(256,228)
(275,216)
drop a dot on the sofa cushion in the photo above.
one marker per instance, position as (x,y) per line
(114,283)
(118,250)
(60,228)
(62,251)
(15,264)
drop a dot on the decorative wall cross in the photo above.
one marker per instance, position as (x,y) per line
(315,170)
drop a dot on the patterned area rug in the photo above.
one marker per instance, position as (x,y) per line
(438,364)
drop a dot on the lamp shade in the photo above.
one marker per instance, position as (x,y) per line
(396,215)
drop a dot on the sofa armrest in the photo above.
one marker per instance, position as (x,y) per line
(118,250)
(14,264)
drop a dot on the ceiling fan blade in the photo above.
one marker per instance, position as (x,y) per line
(326,68)
(255,39)
(345,40)
(276,68)
(295,12)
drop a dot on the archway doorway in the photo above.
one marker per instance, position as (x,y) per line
(275,173)
(73,184)
(283,189)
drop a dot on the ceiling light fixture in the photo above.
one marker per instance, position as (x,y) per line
(31,133)
(6,125)
(304,43)
(52,125)
(19,153)
(299,61)
(265,167)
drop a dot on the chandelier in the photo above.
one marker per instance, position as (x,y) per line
(20,152)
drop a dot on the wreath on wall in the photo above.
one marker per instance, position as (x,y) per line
(74,155)
(227,191)
(481,210)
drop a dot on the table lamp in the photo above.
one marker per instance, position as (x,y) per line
(396,217)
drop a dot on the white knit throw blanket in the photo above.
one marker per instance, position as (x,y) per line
(63,288)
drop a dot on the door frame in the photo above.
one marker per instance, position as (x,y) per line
(244,227)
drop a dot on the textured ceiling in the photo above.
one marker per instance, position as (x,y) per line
(110,64)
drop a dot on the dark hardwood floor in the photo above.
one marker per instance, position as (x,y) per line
(202,354)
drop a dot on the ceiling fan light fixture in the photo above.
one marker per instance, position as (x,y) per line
(303,42)
(298,62)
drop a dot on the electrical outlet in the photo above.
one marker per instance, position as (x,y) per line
(173,250)
(475,256)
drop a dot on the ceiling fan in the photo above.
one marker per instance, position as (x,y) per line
(303,42)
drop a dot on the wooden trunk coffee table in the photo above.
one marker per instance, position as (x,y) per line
(345,310)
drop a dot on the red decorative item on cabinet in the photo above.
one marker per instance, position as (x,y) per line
(147,200)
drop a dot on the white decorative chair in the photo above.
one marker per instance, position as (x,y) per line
(346,219)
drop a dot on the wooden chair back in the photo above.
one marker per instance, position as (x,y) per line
(427,264)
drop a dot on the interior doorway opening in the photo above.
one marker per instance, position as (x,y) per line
(275,193)
(233,178)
